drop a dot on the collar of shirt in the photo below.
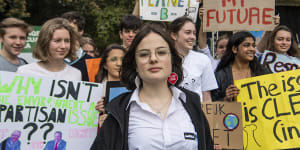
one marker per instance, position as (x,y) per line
(177,94)
(79,53)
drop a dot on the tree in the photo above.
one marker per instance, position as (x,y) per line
(102,16)
(13,8)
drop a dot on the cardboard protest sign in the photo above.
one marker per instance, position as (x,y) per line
(229,15)
(168,10)
(36,110)
(276,62)
(271,110)
(226,124)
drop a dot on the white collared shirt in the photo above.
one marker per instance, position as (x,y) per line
(147,131)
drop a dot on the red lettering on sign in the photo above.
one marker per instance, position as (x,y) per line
(224,17)
(254,12)
(209,16)
(231,15)
(239,16)
(242,3)
(250,16)
(224,2)
(265,15)
(233,2)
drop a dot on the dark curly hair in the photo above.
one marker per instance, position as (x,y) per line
(76,18)
(128,69)
(131,22)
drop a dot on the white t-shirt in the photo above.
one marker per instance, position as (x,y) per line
(68,73)
(147,131)
(214,62)
(198,73)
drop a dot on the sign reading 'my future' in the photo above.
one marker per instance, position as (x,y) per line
(229,15)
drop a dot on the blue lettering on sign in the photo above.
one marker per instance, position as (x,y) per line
(180,3)
(173,14)
(154,13)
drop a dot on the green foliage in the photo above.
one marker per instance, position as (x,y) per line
(13,8)
(108,25)
(102,16)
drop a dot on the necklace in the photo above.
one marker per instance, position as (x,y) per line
(241,74)
(160,111)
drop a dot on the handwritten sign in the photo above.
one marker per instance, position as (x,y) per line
(40,109)
(271,110)
(229,15)
(168,10)
(31,39)
(277,62)
(225,121)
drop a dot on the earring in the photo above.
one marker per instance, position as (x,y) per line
(172,79)
(137,81)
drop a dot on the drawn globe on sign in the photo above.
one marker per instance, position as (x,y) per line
(231,121)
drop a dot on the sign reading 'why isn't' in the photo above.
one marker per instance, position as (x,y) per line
(38,107)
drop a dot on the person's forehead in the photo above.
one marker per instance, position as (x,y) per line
(88,46)
(15,30)
(57,133)
(16,133)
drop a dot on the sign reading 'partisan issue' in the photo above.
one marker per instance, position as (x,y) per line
(229,15)
(277,62)
(226,124)
(271,110)
(168,10)
(44,109)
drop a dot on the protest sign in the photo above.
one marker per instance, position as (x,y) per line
(31,39)
(38,107)
(168,10)
(271,110)
(30,44)
(92,66)
(229,15)
(225,121)
(114,89)
(276,62)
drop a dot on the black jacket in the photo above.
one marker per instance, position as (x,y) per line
(113,134)
(81,65)
(224,79)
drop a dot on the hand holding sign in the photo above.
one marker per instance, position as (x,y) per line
(100,105)
(231,92)
(201,13)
